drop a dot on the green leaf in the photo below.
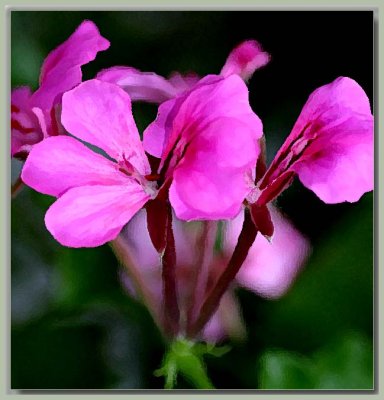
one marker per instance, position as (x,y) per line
(346,363)
(285,370)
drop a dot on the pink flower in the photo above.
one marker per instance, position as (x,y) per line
(208,143)
(330,148)
(96,196)
(34,114)
(148,86)
(25,127)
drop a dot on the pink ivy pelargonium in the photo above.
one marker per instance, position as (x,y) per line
(34,115)
(193,135)
(205,145)
(330,148)
(97,196)
(243,61)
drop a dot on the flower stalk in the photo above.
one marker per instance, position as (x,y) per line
(185,357)
(212,300)
(168,263)
(205,245)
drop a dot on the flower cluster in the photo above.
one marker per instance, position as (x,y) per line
(201,159)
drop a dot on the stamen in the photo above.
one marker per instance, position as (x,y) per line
(129,167)
(124,171)
(152,177)
(284,161)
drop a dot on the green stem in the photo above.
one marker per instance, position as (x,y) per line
(186,358)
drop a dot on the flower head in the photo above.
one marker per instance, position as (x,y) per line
(34,114)
(207,140)
(330,148)
(97,196)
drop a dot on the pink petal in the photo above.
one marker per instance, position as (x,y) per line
(160,137)
(43,118)
(181,82)
(25,128)
(340,168)
(331,145)
(61,163)
(154,135)
(141,86)
(343,93)
(214,189)
(143,254)
(245,59)
(204,124)
(61,70)
(227,321)
(100,113)
(213,98)
(270,267)
(214,330)
(90,216)
(338,164)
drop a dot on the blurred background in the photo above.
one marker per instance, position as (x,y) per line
(73,326)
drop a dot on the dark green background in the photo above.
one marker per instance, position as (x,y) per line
(73,326)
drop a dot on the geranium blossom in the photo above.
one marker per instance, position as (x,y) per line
(243,60)
(208,143)
(97,196)
(34,114)
(330,148)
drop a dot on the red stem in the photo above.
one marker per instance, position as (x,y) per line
(246,238)
(200,276)
(168,261)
